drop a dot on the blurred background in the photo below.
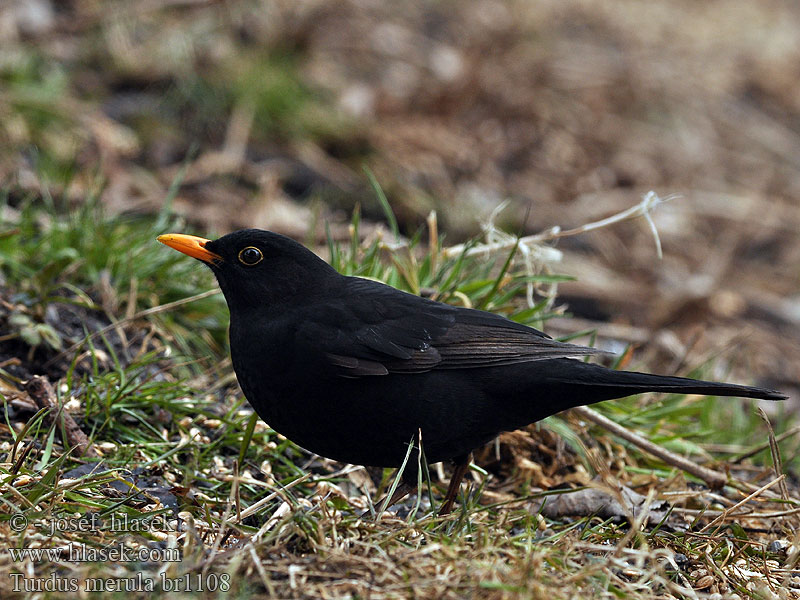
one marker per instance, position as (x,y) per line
(265,113)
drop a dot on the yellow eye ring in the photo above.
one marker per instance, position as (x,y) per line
(250,256)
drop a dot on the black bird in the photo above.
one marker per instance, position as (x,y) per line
(352,369)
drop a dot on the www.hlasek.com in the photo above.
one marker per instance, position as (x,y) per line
(80,552)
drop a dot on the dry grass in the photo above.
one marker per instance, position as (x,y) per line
(251,112)
(217,501)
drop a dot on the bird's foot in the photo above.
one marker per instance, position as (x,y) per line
(402,490)
(455,485)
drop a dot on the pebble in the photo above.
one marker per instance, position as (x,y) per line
(775,546)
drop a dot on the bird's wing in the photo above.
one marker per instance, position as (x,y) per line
(481,339)
(383,330)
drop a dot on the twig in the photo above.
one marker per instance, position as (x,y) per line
(756,449)
(42,393)
(695,512)
(714,479)
(777,463)
(642,209)
(637,521)
(255,507)
(280,512)
(536,254)
(727,512)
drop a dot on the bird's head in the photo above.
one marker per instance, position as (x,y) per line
(257,268)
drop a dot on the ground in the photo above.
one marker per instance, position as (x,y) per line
(121,121)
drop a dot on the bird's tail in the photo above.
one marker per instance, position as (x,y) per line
(617,384)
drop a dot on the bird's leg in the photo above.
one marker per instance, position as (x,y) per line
(462,465)
(402,490)
(407,473)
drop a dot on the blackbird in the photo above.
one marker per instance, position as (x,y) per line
(355,370)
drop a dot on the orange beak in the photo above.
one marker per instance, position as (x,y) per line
(189,244)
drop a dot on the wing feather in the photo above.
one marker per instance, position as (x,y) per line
(389,331)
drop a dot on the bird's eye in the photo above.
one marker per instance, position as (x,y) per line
(250,256)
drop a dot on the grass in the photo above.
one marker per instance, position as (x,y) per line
(175,433)
(106,265)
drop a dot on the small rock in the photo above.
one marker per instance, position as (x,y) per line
(776,546)
(35,17)
(699,573)
(704,582)
(681,559)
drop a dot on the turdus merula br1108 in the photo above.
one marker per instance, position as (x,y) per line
(353,369)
